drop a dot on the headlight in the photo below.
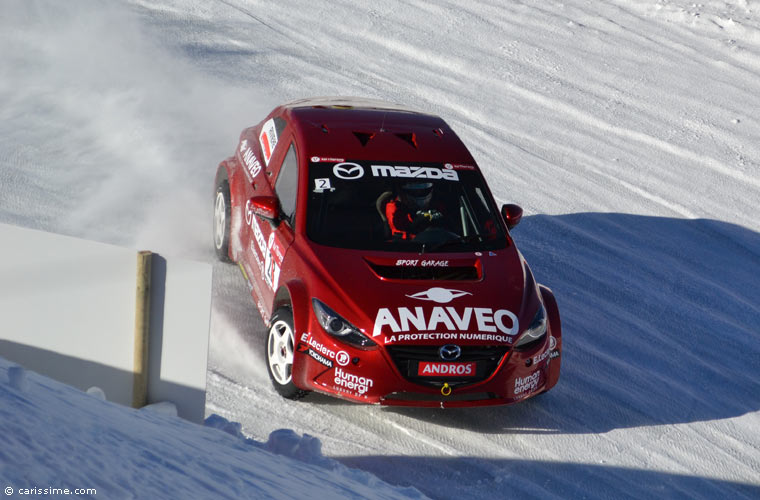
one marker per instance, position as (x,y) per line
(535,331)
(338,327)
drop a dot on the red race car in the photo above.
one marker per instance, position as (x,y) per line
(379,261)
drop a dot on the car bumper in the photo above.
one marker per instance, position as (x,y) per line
(377,377)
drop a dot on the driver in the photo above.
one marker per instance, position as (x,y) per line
(410,213)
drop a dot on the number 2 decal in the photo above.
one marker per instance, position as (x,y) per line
(321,185)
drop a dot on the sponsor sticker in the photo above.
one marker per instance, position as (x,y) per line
(268,140)
(447,336)
(273,261)
(252,165)
(480,319)
(437,369)
(353,171)
(321,159)
(342,358)
(421,263)
(320,358)
(348,171)
(548,353)
(250,219)
(541,357)
(322,185)
(255,254)
(271,250)
(414,172)
(351,382)
(527,384)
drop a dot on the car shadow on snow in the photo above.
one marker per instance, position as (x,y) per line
(660,325)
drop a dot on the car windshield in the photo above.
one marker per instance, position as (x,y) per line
(401,207)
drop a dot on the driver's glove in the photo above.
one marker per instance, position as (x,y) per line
(430,215)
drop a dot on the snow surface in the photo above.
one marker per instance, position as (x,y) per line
(628,131)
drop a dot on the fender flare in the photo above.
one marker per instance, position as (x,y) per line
(294,295)
(555,330)
(228,169)
(552,310)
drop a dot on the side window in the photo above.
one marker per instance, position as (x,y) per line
(286,185)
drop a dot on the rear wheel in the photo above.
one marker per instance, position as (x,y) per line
(280,350)
(222,221)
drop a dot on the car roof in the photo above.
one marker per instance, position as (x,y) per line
(371,130)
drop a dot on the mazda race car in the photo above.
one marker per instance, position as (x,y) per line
(379,261)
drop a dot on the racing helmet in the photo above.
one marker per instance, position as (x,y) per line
(417,194)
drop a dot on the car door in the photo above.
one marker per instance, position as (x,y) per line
(286,190)
(268,241)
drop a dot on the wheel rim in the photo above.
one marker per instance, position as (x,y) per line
(220,219)
(280,352)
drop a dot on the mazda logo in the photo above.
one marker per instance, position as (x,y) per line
(348,171)
(450,352)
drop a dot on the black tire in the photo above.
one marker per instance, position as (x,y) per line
(280,347)
(222,219)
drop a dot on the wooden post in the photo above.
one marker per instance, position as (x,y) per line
(142,330)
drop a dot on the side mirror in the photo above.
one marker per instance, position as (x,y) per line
(266,207)
(512,214)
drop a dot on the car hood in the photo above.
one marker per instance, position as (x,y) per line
(481,298)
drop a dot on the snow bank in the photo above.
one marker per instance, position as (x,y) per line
(55,437)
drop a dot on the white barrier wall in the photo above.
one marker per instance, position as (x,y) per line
(179,333)
(67,311)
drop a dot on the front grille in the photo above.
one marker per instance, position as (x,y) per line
(457,273)
(406,358)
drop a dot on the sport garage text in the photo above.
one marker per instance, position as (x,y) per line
(421,263)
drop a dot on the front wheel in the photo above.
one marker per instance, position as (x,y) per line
(280,350)
(222,221)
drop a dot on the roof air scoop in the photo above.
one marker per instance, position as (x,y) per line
(410,138)
(364,137)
